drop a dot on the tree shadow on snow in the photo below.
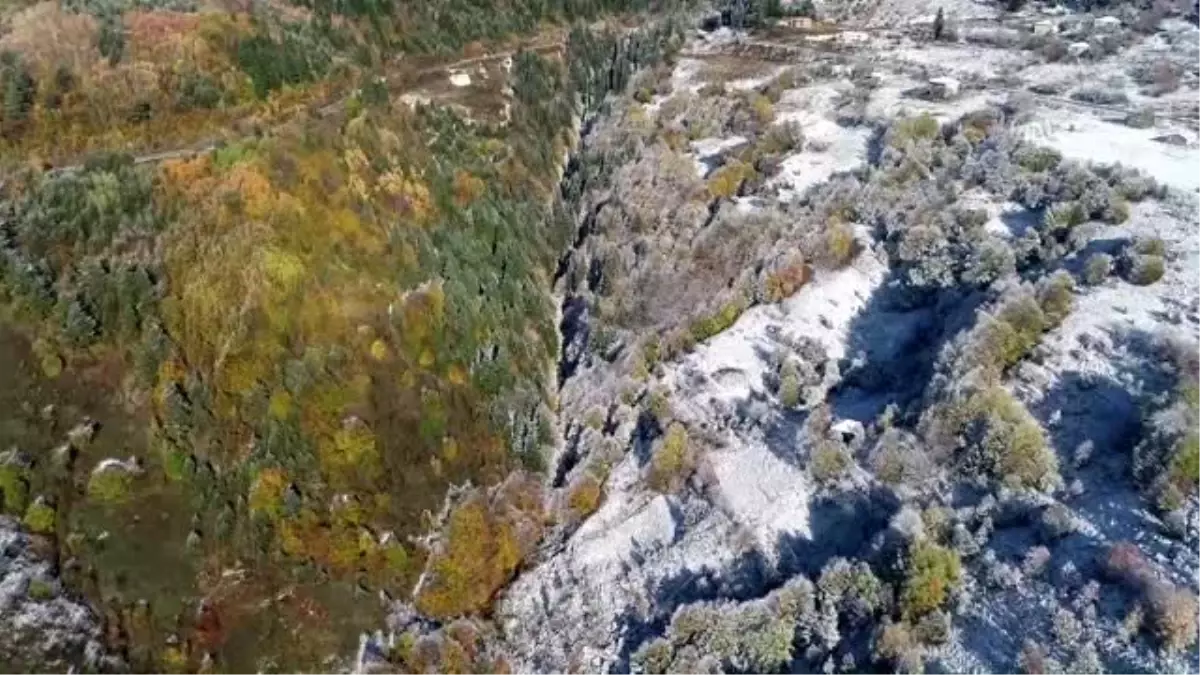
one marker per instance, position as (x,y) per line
(842,525)
(893,345)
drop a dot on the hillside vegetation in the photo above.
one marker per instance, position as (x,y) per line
(267,361)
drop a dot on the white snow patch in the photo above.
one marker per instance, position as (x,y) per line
(829,147)
(763,493)
(603,541)
(821,311)
(963,58)
(1083,137)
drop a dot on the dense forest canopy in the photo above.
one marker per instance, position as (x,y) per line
(313,313)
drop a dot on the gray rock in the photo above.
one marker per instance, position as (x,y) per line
(1177,140)
(55,633)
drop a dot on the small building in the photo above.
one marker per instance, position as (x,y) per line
(1045,28)
(1078,49)
(460,79)
(1107,24)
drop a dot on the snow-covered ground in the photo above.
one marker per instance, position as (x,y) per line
(1085,137)
(592,600)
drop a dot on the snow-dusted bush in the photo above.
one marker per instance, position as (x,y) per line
(851,588)
(757,635)
(1033,659)
(1100,95)
(989,432)
(830,461)
(1056,522)
(1158,78)
(899,459)
(1035,561)
(992,260)
(1144,270)
(1066,628)
(673,460)
(1173,614)
(897,648)
(1097,268)
(780,139)
(1055,295)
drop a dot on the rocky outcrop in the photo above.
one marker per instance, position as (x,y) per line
(42,628)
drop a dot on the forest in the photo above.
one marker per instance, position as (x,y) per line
(308,333)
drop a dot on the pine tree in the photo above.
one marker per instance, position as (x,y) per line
(111,40)
(939,24)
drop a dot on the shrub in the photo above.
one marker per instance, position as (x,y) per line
(754,636)
(1054,295)
(1118,211)
(1143,118)
(1173,614)
(1033,659)
(934,572)
(1062,218)
(1054,49)
(786,279)
(1003,340)
(764,111)
(41,590)
(1184,470)
(672,461)
(1097,268)
(1150,246)
(1100,96)
(830,461)
(1146,269)
(1161,78)
(14,487)
(898,459)
(789,384)
(852,588)
(594,418)
(584,497)
(654,657)
(1066,628)
(1125,563)
(110,485)
(780,139)
(1056,522)
(922,127)
(727,180)
(706,327)
(896,646)
(993,259)
(839,245)
(48,358)
(1035,561)
(266,493)
(933,628)
(1015,437)
(40,517)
